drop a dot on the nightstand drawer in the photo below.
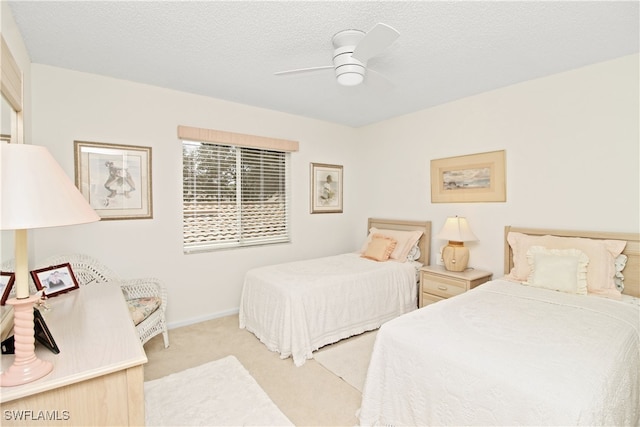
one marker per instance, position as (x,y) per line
(443,287)
(437,283)
(429,299)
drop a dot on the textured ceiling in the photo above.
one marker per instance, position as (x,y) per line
(230,50)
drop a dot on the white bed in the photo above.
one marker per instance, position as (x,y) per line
(295,308)
(509,354)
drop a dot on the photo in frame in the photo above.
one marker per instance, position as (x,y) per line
(55,280)
(6,283)
(115,179)
(326,188)
(467,179)
(42,333)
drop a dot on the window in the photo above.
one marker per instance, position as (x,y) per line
(233,196)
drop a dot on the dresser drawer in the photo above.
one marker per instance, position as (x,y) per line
(443,286)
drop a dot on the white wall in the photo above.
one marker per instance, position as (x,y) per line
(69,105)
(572,149)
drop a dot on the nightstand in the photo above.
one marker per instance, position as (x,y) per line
(436,283)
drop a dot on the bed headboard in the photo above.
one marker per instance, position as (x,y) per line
(392,224)
(632,251)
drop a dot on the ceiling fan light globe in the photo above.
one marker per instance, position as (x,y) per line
(350,79)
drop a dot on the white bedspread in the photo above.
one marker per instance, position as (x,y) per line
(296,308)
(507,354)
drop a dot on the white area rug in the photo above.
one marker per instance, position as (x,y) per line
(349,359)
(218,393)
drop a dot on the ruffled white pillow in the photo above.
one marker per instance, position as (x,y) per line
(620,263)
(601,253)
(414,254)
(563,270)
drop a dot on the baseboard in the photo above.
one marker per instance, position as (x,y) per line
(195,320)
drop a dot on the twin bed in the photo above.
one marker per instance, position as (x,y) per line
(564,349)
(295,308)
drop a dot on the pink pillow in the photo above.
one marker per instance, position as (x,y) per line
(379,248)
(406,240)
(601,253)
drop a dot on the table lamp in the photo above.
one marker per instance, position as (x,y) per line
(34,193)
(457,231)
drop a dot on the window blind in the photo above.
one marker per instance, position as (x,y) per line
(233,196)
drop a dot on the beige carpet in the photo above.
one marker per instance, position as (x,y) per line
(221,392)
(349,359)
(309,395)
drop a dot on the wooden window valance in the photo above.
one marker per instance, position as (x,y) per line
(237,139)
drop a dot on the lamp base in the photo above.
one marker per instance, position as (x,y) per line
(455,256)
(26,365)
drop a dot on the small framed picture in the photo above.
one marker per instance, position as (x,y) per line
(6,283)
(55,280)
(42,333)
(326,188)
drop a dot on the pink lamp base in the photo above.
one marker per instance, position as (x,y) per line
(26,365)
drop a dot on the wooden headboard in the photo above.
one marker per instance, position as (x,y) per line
(425,226)
(632,251)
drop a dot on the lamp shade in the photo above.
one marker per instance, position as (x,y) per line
(35,192)
(456,229)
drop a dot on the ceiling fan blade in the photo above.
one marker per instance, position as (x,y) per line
(304,70)
(378,81)
(374,42)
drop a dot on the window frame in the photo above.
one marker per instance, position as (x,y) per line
(250,146)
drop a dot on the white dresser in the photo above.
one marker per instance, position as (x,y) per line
(97,377)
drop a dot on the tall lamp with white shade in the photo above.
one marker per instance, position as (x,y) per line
(34,193)
(457,231)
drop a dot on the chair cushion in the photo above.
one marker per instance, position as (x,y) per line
(141,308)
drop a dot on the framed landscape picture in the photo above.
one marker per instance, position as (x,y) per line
(115,179)
(471,178)
(326,188)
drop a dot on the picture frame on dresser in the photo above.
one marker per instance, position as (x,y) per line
(326,188)
(42,333)
(469,178)
(55,280)
(115,179)
(6,283)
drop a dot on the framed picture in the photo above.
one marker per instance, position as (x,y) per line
(6,283)
(55,280)
(115,179)
(326,188)
(471,178)
(42,333)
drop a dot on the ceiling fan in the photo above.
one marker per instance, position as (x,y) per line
(353,48)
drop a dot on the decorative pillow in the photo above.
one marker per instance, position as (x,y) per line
(619,265)
(601,254)
(414,253)
(141,308)
(563,270)
(379,248)
(405,241)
